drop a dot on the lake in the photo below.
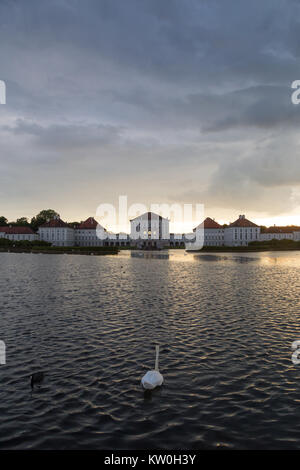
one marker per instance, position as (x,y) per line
(224,322)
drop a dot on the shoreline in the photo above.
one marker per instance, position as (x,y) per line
(90,252)
(241,250)
(96,252)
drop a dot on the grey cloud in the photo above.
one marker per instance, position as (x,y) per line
(67,135)
(263,178)
(191,98)
(264,107)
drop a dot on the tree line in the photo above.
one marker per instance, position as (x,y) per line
(41,218)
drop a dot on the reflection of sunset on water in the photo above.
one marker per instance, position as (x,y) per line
(267,258)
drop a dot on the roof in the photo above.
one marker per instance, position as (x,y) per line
(89,223)
(19,230)
(55,222)
(243,222)
(208,223)
(3,229)
(275,229)
(150,215)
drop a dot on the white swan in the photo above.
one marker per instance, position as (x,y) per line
(153,378)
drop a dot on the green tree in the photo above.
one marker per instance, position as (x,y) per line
(3,221)
(42,217)
(22,221)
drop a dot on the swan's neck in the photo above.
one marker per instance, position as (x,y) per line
(156,358)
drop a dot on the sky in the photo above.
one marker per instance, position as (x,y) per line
(174,101)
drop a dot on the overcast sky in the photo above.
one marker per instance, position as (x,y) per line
(163,100)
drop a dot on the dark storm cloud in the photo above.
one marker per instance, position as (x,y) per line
(199,89)
(66,136)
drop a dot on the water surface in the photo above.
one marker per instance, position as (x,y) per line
(225,323)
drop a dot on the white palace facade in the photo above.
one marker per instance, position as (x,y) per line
(149,230)
(18,233)
(239,233)
(213,232)
(57,232)
(87,233)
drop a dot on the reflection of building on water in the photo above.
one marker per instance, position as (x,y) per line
(237,259)
(149,254)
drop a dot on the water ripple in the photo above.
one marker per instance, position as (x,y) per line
(225,327)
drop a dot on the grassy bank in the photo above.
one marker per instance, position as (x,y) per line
(56,251)
(8,246)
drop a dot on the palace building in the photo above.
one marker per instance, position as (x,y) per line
(280,233)
(212,231)
(89,233)
(241,232)
(57,232)
(18,233)
(149,230)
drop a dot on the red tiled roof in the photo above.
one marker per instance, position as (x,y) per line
(89,223)
(242,222)
(3,229)
(55,223)
(290,229)
(19,230)
(209,223)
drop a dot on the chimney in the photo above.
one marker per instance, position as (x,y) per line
(241,216)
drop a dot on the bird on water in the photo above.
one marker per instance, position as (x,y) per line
(37,378)
(153,378)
